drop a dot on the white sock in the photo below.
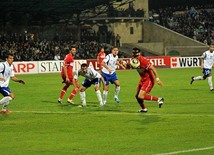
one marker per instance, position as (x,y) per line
(83,98)
(198,78)
(99,97)
(117,90)
(5,99)
(105,95)
(210,82)
(5,105)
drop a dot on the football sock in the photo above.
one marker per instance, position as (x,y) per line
(5,105)
(105,94)
(5,99)
(210,82)
(117,91)
(73,93)
(83,98)
(99,97)
(151,98)
(64,89)
(198,78)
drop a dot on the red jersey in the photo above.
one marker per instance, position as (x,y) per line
(69,63)
(101,56)
(144,71)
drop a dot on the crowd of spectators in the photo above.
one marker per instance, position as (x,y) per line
(196,22)
(54,44)
(34,50)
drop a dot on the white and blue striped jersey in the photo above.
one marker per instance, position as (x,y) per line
(208,59)
(110,61)
(91,74)
(6,72)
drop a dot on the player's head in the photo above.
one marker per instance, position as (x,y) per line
(84,67)
(114,51)
(9,58)
(73,50)
(211,47)
(102,49)
(135,52)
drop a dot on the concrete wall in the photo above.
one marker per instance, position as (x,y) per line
(154,33)
(123,29)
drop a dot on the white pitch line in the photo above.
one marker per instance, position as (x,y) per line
(185,151)
(115,113)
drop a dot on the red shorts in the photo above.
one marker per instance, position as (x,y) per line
(64,79)
(146,85)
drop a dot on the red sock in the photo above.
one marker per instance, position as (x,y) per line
(73,93)
(64,89)
(151,98)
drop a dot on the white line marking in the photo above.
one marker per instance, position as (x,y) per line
(185,151)
(114,113)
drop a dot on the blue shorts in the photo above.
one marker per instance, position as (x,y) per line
(5,91)
(109,78)
(87,83)
(206,71)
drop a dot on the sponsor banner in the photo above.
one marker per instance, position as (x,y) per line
(56,66)
(159,61)
(35,67)
(185,62)
(28,67)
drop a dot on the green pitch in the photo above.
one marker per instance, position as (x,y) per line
(39,125)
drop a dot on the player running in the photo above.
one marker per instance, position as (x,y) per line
(207,62)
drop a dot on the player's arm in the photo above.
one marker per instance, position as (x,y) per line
(120,63)
(66,73)
(202,62)
(75,80)
(155,73)
(17,80)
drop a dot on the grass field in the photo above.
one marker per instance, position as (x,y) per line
(39,125)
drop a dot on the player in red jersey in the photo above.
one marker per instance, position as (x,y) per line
(148,76)
(100,57)
(67,76)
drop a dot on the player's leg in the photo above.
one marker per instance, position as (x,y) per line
(115,80)
(147,87)
(62,93)
(210,82)
(205,71)
(83,96)
(8,96)
(64,89)
(73,92)
(106,87)
(105,93)
(98,93)
(139,96)
(117,91)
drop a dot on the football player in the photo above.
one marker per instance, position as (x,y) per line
(148,77)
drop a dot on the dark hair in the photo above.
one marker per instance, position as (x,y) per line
(84,65)
(72,46)
(135,49)
(8,54)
